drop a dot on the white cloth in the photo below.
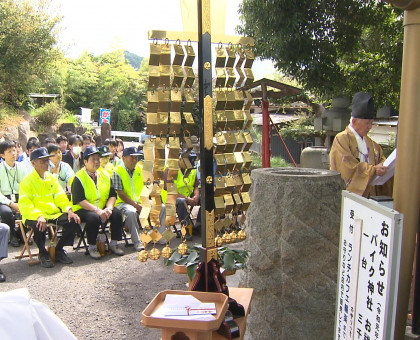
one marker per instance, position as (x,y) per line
(361,145)
(24,318)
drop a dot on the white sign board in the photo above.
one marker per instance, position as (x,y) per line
(86,114)
(368,269)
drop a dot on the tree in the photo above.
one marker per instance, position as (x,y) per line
(331,47)
(27,38)
(106,81)
(81,83)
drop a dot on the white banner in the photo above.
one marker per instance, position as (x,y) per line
(86,114)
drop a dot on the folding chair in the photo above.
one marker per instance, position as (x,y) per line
(26,235)
(104,228)
(82,233)
(124,234)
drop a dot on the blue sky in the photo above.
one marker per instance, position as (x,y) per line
(101,26)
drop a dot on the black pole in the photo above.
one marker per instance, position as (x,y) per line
(206,154)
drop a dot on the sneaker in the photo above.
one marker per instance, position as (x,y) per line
(14,242)
(45,260)
(116,250)
(138,247)
(61,256)
(94,253)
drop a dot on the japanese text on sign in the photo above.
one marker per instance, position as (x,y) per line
(104,116)
(368,269)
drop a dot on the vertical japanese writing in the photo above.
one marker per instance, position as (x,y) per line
(372,281)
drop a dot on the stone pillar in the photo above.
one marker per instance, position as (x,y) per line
(293,235)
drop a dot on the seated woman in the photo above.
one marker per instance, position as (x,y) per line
(94,199)
(60,170)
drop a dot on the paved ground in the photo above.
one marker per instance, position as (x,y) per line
(100,299)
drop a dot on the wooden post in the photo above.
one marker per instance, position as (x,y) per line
(407,172)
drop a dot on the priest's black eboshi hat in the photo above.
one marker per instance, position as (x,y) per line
(362,106)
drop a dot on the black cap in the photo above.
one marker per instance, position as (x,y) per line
(90,150)
(104,151)
(131,151)
(39,154)
(362,106)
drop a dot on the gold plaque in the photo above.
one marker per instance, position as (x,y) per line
(208,122)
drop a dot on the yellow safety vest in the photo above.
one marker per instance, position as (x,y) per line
(184,186)
(44,197)
(96,194)
(109,169)
(132,185)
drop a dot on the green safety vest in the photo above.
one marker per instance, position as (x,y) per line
(132,185)
(96,194)
(184,186)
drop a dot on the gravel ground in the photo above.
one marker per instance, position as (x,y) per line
(96,299)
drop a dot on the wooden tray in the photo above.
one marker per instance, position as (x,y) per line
(155,322)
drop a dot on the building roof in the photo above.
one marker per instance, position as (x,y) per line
(281,89)
(276,118)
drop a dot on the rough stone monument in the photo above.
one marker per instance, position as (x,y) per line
(105,131)
(293,235)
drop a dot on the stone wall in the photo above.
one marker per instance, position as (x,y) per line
(293,234)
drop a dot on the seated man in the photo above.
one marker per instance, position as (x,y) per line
(62,143)
(87,141)
(59,169)
(188,191)
(11,174)
(74,156)
(113,159)
(33,143)
(4,236)
(42,200)
(94,199)
(128,183)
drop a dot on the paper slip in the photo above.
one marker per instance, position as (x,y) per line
(185,305)
(390,164)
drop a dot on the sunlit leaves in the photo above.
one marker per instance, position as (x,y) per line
(331,47)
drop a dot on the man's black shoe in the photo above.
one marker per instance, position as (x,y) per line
(2,276)
(45,260)
(14,242)
(61,256)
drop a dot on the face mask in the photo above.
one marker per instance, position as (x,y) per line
(77,150)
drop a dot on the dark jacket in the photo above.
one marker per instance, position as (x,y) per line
(68,158)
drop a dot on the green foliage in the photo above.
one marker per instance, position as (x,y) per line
(133,59)
(129,120)
(107,81)
(27,38)
(68,117)
(275,161)
(331,47)
(301,129)
(47,115)
(390,144)
(6,111)
(230,259)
